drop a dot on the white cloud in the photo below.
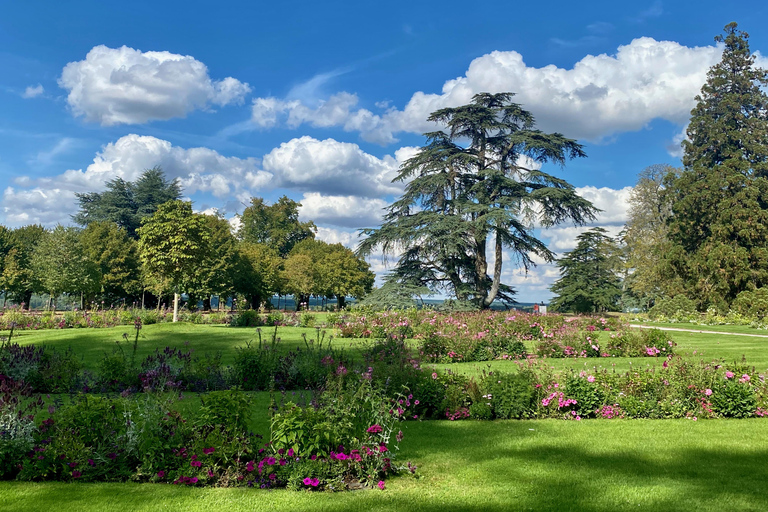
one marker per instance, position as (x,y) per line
(614,203)
(33,91)
(332,167)
(51,200)
(126,86)
(601,95)
(343,211)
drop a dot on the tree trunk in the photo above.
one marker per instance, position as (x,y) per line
(175,307)
(255,301)
(341,301)
(496,275)
(207,303)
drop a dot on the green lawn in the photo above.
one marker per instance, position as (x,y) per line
(592,465)
(597,465)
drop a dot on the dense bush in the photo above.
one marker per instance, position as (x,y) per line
(678,308)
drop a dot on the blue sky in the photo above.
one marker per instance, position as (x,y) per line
(322,101)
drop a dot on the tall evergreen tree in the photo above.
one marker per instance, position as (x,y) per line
(588,275)
(719,228)
(126,203)
(475,184)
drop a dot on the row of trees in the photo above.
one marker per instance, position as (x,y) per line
(700,231)
(136,246)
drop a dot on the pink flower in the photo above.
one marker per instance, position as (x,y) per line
(591,378)
(434,376)
(744,378)
(381,484)
(729,375)
(708,392)
(374,429)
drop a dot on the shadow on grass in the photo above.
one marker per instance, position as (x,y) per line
(597,466)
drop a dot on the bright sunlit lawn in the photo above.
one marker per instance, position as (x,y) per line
(592,465)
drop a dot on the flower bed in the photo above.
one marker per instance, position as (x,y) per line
(483,336)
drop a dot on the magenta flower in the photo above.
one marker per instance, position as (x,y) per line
(374,429)
(209,450)
(283,462)
(193,480)
(314,482)
(76,474)
(381,484)
(249,466)
(161,474)
(307,481)
(270,461)
(195,463)
(291,453)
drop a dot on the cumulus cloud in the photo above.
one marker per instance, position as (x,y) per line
(599,96)
(342,211)
(126,86)
(334,168)
(52,199)
(33,92)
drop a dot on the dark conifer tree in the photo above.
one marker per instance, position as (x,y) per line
(475,184)
(719,227)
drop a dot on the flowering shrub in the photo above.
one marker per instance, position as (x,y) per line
(488,335)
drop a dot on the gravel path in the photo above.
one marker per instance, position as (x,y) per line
(698,331)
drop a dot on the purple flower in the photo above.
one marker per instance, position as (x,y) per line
(196,463)
(307,481)
(270,461)
(283,462)
(209,450)
(76,474)
(381,484)
(161,474)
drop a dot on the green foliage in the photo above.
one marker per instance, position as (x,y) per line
(511,395)
(61,264)
(18,279)
(752,303)
(734,398)
(719,227)
(116,257)
(588,275)
(679,308)
(171,243)
(230,408)
(645,236)
(126,203)
(306,430)
(589,396)
(276,226)
(466,185)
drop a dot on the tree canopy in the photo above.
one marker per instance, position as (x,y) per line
(126,203)
(719,226)
(275,225)
(476,183)
(171,242)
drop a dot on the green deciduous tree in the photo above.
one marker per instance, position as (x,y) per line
(116,256)
(61,265)
(588,275)
(336,270)
(719,228)
(475,184)
(19,280)
(259,272)
(275,225)
(172,242)
(126,203)
(216,274)
(645,236)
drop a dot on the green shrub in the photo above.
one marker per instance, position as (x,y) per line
(229,408)
(512,395)
(679,308)
(752,303)
(734,397)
